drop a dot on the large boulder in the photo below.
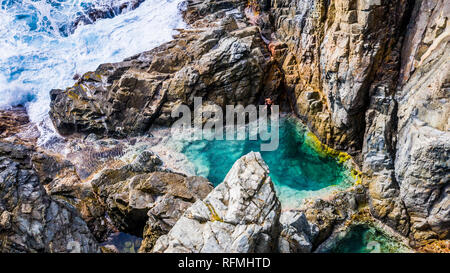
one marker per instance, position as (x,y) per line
(297,234)
(221,59)
(178,194)
(240,215)
(31,220)
(144,200)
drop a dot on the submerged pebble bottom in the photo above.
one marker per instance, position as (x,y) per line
(38,54)
(297,170)
(366,239)
(123,242)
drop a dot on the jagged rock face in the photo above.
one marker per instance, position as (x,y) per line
(56,174)
(364,78)
(297,234)
(378,151)
(60,179)
(144,201)
(196,9)
(240,215)
(406,141)
(221,59)
(30,220)
(166,211)
(423,145)
(334,49)
(11,121)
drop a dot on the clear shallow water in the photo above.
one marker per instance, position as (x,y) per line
(366,239)
(38,55)
(296,169)
(124,242)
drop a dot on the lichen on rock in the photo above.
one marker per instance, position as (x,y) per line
(239,215)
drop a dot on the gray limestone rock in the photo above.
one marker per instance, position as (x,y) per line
(240,215)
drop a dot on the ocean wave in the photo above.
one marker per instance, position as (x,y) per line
(36,57)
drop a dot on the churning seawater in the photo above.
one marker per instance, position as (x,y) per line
(38,52)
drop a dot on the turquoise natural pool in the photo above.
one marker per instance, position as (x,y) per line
(366,239)
(296,168)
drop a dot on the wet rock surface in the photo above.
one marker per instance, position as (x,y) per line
(15,127)
(11,120)
(197,9)
(101,11)
(367,77)
(60,179)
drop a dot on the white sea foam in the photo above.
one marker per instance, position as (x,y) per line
(35,57)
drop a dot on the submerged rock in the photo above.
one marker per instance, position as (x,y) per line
(31,220)
(363,238)
(240,215)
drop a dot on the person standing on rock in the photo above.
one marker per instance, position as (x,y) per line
(268,102)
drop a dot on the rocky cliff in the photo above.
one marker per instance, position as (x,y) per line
(73,198)
(422,151)
(370,77)
(222,58)
(30,219)
(379,72)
